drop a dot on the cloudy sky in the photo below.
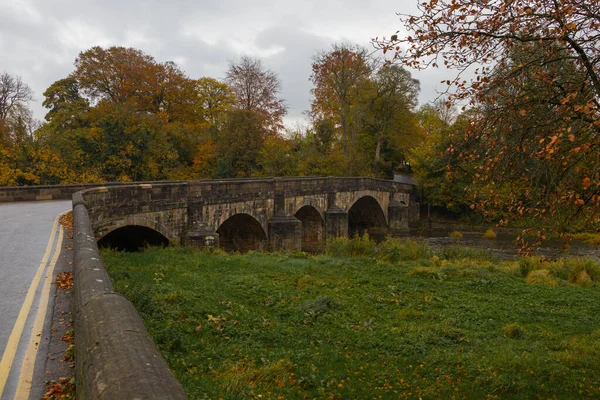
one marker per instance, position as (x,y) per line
(40,39)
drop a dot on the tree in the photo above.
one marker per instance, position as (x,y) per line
(339,75)
(240,144)
(537,91)
(16,132)
(257,89)
(14,96)
(120,75)
(215,99)
(389,120)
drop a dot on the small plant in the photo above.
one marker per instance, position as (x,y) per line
(455,235)
(395,250)
(363,246)
(489,234)
(513,331)
(358,246)
(528,264)
(583,272)
(339,247)
(541,277)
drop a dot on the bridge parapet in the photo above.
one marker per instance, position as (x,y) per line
(284,209)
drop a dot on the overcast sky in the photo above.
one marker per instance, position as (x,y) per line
(40,39)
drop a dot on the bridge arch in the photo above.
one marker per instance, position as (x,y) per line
(367,216)
(313,228)
(132,238)
(241,232)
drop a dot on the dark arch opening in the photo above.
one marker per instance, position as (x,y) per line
(313,229)
(133,238)
(242,233)
(366,216)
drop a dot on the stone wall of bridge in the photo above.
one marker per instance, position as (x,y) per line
(288,213)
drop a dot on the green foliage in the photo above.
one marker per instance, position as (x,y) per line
(578,271)
(358,246)
(395,250)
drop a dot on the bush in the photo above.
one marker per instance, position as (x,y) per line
(358,246)
(395,250)
(339,247)
(489,234)
(528,264)
(455,235)
(583,271)
(541,277)
(363,246)
(577,271)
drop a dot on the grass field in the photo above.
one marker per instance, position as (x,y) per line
(403,323)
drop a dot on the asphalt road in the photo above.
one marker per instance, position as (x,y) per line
(25,230)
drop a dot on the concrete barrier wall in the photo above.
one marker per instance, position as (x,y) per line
(115,356)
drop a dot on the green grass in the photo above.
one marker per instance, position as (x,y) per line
(387,325)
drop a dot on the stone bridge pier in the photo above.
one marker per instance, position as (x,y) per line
(252,214)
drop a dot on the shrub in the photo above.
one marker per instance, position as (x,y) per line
(358,246)
(455,235)
(577,268)
(363,246)
(395,250)
(541,277)
(513,331)
(339,247)
(489,234)
(528,264)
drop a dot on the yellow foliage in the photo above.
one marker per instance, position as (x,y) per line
(455,235)
(542,277)
(489,234)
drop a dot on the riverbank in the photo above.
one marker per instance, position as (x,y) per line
(402,322)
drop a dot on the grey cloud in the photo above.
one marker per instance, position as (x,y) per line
(41,40)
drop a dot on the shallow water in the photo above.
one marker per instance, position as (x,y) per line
(503,246)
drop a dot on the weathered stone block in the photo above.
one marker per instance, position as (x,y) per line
(202,239)
(285,233)
(398,217)
(336,222)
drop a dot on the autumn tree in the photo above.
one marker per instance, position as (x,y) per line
(537,83)
(16,131)
(257,89)
(339,75)
(119,75)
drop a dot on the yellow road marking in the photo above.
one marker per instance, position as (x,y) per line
(28,366)
(15,336)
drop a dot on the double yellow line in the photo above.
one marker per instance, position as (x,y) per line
(27,368)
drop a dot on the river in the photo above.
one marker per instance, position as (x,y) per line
(503,246)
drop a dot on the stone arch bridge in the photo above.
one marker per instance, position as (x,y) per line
(246,214)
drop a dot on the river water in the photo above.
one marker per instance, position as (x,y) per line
(504,248)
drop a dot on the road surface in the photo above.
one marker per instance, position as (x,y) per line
(29,237)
